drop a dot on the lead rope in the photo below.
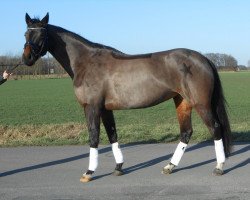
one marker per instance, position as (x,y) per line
(11,67)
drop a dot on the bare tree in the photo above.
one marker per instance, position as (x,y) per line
(214,58)
(222,60)
(230,61)
(248,63)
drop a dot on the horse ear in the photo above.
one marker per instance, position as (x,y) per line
(28,19)
(45,20)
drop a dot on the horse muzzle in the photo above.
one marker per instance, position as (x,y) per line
(28,57)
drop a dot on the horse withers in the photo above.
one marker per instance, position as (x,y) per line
(106,79)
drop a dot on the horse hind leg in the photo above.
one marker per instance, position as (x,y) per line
(109,124)
(214,127)
(184,110)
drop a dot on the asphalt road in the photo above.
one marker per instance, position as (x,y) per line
(40,173)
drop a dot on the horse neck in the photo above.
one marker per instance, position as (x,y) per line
(65,48)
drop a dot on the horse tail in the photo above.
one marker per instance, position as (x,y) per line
(219,111)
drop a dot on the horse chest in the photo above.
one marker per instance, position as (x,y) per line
(86,94)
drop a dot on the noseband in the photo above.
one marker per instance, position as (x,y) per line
(35,49)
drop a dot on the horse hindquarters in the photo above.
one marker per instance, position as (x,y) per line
(206,96)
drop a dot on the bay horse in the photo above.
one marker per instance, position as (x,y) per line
(105,79)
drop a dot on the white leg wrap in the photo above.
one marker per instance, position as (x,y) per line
(93,159)
(178,153)
(117,153)
(219,151)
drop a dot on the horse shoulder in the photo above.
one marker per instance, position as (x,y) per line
(89,83)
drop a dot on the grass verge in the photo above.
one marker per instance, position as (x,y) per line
(76,134)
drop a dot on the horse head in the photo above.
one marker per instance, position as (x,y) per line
(36,37)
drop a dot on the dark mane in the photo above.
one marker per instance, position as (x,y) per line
(36,22)
(115,53)
(85,41)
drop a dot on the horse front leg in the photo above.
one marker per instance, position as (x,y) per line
(109,124)
(92,115)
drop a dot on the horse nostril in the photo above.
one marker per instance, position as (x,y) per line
(27,52)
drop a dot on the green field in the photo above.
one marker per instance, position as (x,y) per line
(45,112)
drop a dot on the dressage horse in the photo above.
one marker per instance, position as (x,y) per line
(105,79)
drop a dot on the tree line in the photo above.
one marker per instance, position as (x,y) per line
(226,62)
(50,67)
(44,66)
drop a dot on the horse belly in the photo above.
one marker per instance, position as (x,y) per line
(141,95)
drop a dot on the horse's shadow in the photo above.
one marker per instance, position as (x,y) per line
(155,161)
(138,166)
(61,161)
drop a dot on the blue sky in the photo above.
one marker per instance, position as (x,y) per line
(138,26)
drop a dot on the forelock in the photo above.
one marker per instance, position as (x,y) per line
(35,22)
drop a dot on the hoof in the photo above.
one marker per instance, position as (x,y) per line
(166,171)
(217,172)
(118,173)
(85,178)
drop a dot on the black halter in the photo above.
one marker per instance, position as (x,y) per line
(38,51)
